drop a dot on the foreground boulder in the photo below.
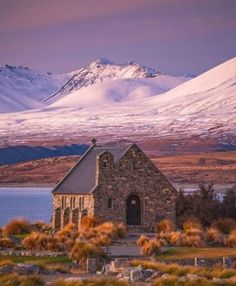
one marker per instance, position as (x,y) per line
(26,269)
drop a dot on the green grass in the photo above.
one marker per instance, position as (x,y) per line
(191,252)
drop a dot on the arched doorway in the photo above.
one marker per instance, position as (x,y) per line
(133,211)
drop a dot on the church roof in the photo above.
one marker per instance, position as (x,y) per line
(81,179)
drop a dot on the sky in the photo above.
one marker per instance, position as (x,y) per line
(172,36)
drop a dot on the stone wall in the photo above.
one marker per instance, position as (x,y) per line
(70,209)
(133,174)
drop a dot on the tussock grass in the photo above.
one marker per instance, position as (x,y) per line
(17,280)
(40,241)
(225,225)
(165,225)
(178,270)
(231,239)
(17,226)
(6,243)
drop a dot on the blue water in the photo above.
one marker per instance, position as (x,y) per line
(30,203)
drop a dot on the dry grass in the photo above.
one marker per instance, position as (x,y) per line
(218,167)
(17,280)
(214,235)
(41,241)
(231,239)
(178,270)
(6,243)
(81,251)
(225,225)
(17,226)
(190,252)
(165,225)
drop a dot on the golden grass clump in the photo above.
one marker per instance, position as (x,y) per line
(142,240)
(175,238)
(88,222)
(213,235)
(191,223)
(17,226)
(81,251)
(148,247)
(231,239)
(225,225)
(17,280)
(165,225)
(40,241)
(6,243)
(4,262)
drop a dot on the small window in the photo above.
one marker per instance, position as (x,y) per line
(74,202)
(110,203)
(71,205)
(80,204)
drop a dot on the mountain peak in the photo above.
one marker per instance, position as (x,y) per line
(102,61)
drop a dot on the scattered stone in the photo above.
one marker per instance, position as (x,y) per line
(25,269)
(217,280)
(136,275)
(165,276)
(192,276)
(182,279)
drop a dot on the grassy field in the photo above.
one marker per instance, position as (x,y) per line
(193,168)
(35,259)
(190,252)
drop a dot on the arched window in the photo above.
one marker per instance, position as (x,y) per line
(71,202)
(83,203)
(109,203)
(74,202)
(63,202)
(80,204)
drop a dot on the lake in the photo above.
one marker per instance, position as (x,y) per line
(31,203)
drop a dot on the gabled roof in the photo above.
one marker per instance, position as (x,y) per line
(81,179)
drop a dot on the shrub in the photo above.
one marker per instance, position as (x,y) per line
(142,240)
(175,238)
(120,229)
(150,247)
(214,235)
(191,223)
(231,240)
(225,225)
(6,243)
(40,241)
(6,262)
(88,222)
(17,280)
(17,226)
(165,225)
(81,251)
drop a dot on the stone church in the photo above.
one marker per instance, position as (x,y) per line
(114,184)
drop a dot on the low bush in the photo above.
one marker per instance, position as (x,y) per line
(81,251)
(88,222)
(148,247)
(213,235)
(40,241)
(17,280)
(6,262)
(17,226)
(6,243)
(225,225)
(165,225)
(231,239)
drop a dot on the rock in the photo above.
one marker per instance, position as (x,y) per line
(154,275)
(6,269)
(25,269)
(182,279)
(192,276)
(136,275)
(165,276)
(217,280)
(127,271)
(119,276)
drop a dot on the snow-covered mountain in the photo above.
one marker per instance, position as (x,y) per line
(100,71)
(203,107)
(22,88)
